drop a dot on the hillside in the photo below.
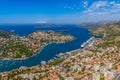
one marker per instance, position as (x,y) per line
(92,25)
(107,30)
(5,34)
(17,47)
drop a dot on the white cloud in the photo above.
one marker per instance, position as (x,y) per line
(99,4)
(85,3)
(41,21)
(103,7)
(69,7)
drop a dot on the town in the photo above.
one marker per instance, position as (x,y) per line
(20,47)
(59,39)
(96,62)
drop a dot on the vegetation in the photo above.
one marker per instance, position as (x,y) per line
(102,78)
(5,34)
(55,62)
(107,30)
(17,50)
(13,46)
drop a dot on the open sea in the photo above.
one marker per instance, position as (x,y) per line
(49,51)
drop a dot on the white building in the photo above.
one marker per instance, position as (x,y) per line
(96,76)
(109,65)
(109,75)
(69,78)
(76,67)
(96,67)
(103,69)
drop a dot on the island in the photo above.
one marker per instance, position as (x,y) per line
(17,47)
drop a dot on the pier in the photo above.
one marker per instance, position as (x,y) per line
(89,43)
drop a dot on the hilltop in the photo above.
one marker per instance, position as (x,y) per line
(93,25)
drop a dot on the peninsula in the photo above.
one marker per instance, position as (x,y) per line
(19,47)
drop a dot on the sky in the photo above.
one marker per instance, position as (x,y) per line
(58,11)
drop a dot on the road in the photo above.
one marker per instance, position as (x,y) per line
(117,77)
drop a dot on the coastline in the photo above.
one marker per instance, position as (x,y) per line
(8,65)
(79,49)
(38,50)
(35,53)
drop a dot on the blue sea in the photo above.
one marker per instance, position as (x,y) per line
(49,51)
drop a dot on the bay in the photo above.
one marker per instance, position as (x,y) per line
(49,51)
